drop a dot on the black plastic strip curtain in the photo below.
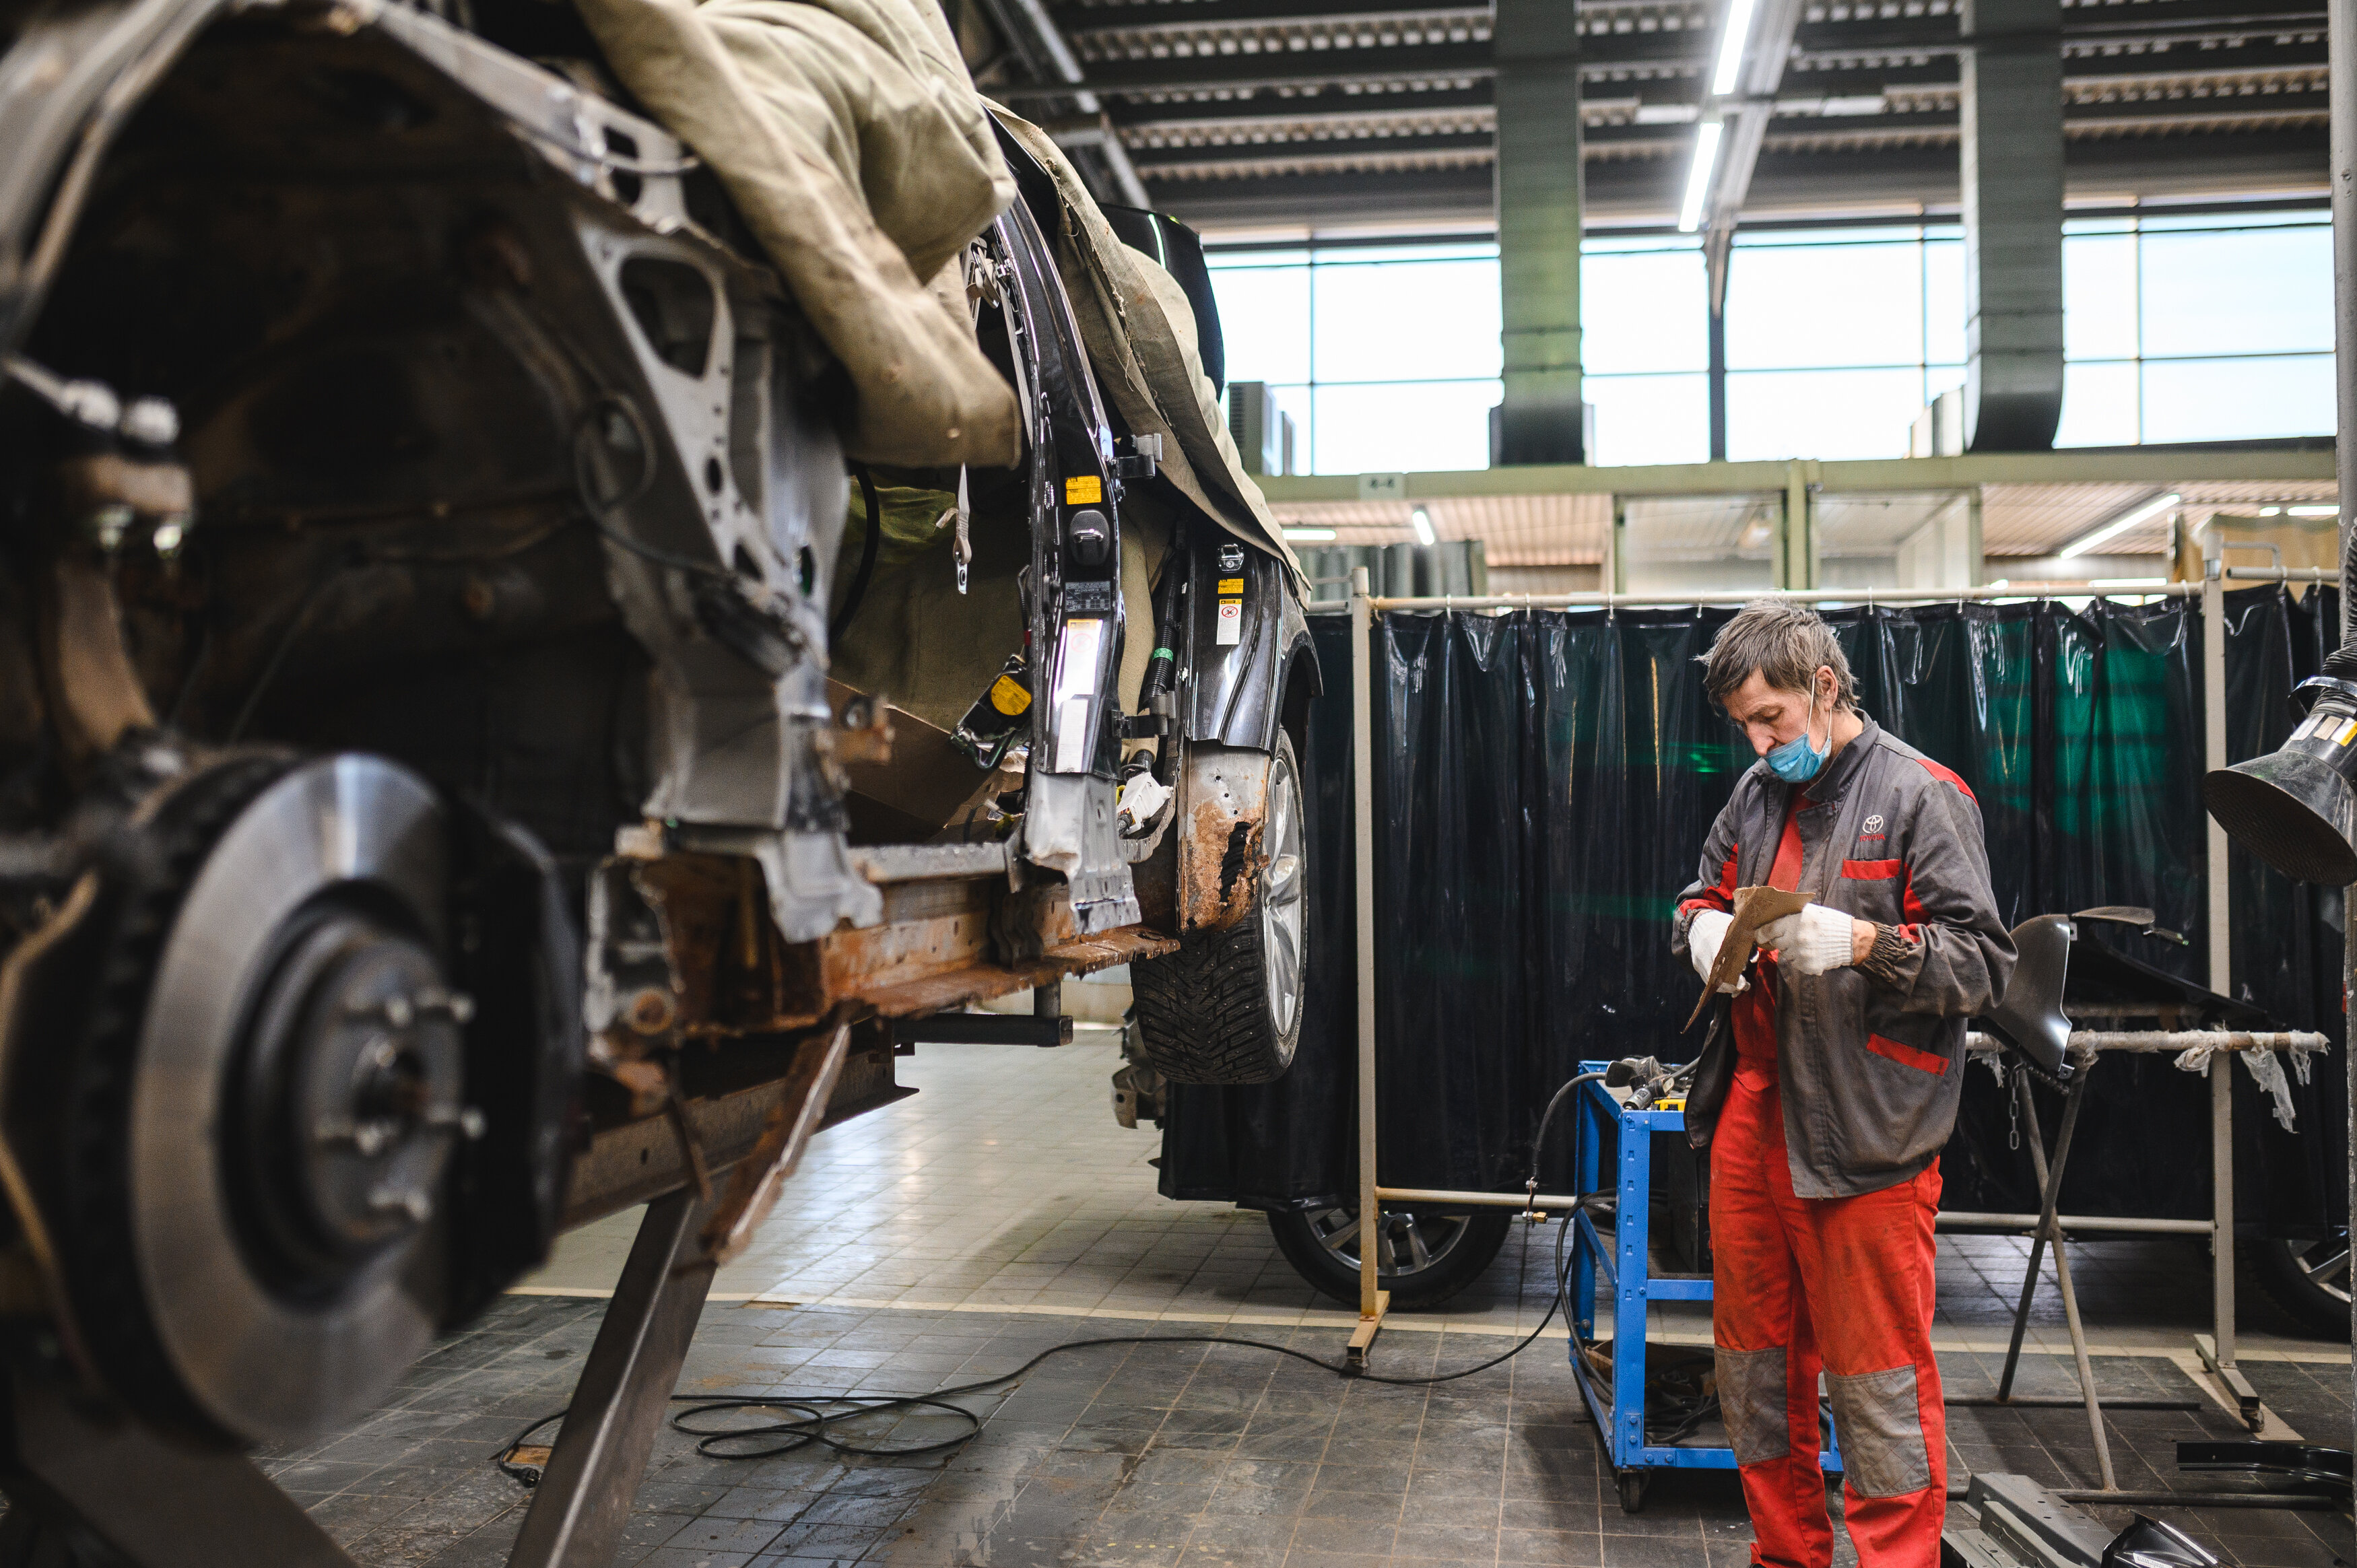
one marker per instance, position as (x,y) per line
(1546,779)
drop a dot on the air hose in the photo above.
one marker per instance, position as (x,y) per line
(812,1418)
(870,543)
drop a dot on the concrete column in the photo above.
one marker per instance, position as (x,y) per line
(2011,83)
(1539,178)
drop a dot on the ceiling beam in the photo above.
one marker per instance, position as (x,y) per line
(2203,71)
(1785,185)
(1153,14)
(1149,14)
(1033,34)
(1304,69)
(1814,46)
(1150,161)
(1438,100)
(1797,135)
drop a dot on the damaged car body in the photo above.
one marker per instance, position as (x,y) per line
(471,761)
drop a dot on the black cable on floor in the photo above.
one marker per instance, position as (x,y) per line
(815,1418)
(812,1420)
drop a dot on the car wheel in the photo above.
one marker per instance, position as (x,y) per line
(2309,1278)
(1423,1258)
(1226,1008)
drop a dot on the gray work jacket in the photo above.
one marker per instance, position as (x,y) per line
(1870,1058)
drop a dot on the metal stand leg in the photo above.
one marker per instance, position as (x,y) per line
(151,1503)
(1374,1302)
(2216,1348)
(585,1495)
(2050,1180)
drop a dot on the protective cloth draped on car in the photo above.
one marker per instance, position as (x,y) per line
(1140,334)
(853,141)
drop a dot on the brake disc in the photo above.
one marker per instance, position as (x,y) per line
(264,1099)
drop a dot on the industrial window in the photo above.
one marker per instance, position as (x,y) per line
(1837,338)
(2177,328)
(2196,328)
(1388,358)
(1645,346)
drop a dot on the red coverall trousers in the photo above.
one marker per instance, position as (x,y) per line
(1845,1285)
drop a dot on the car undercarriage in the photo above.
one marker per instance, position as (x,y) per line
(469,763)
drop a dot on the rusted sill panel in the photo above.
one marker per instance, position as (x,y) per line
(642,1160)
(929,929)
(980,981)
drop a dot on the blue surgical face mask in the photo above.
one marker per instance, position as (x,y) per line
(1797,760)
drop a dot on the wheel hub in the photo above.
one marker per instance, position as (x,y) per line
(269,1099)
(352,1089)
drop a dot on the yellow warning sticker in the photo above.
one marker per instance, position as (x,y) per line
(1231,584)
(1083,490)
(2347,730)
(1007,696)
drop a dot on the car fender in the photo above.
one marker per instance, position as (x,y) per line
(1241,690)
(1237,691)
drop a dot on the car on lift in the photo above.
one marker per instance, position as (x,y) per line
(470,763)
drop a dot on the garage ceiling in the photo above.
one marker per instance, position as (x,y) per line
(1377,114)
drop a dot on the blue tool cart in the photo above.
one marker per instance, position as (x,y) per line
(1602,1119)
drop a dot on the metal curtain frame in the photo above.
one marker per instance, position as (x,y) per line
(2216,1348)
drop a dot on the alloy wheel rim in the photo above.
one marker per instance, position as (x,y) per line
(1283,897)
(2325,1262)
(1405,1243)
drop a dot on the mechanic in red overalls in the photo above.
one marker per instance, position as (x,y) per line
(1827,1087)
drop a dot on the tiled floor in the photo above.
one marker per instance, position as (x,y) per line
(1000,1212)
(1007,1186)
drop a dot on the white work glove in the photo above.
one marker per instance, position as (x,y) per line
(1705,934)
(1813,941)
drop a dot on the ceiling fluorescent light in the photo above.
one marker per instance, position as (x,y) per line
(2313,510)
(1730,47)
(2143,511)
(1309,535)
(1421,520)
(1706,161)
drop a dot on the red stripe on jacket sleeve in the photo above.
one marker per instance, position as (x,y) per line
(1719,897)
(1910,907)
(1950,776)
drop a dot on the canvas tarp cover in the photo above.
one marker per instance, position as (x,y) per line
(1544,783)
(1140,335)
(852,142)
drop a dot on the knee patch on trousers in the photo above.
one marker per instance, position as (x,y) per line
(1751,1400)
(1880,1431)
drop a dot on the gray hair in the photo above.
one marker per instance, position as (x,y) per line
(1786,643)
